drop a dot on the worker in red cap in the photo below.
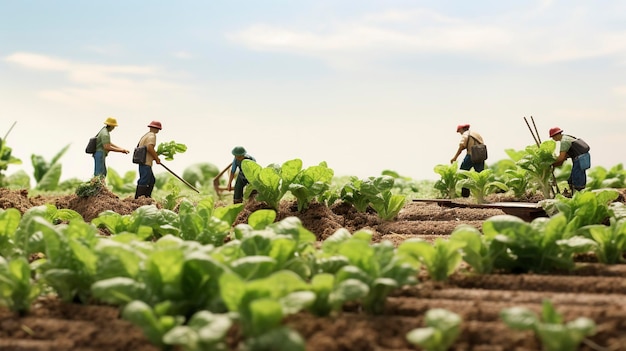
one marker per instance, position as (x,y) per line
(578,151)
(104,146)
(146,181)
(468,139)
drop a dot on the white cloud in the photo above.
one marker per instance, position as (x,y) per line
(527,38)
(88,83)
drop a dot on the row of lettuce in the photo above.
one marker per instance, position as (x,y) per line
(524,173)
(186,277)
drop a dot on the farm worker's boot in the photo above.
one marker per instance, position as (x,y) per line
(465,192)
(150,188)
(237,201)
(141,190)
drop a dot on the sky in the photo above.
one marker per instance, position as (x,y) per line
(366,86)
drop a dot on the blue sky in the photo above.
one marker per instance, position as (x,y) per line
(363,85)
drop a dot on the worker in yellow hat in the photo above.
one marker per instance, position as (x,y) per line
(103,146)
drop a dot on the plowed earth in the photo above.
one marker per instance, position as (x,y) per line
(594,290)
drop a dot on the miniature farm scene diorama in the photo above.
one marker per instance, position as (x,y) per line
(509,258)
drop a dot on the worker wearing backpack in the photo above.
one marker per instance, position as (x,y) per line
(576,149)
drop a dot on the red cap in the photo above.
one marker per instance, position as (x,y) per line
(461,126)
(554,131)
(155,124)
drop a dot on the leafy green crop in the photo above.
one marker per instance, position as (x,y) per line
(449,178)
(599,177)
(91,188)
(442,329)
(375,192)
(540,246)
(17,291)
(611,240)
(205,331)
(537,162)
(200,173)
(70,265)
(261,305)
(311,183)
(481,183)
(152,321)
(204,223)
(9,221)
(169,149)
(6,159)
(331,295)
(48,174)
(478,251)
(440,258)
(518,181)
(376,265)
(583,208)
(271,182)
(125,184)
(550,329)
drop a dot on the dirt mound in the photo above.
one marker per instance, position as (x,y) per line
(17,199)
(88,207)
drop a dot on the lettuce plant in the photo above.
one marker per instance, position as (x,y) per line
(331,295)
(376,265)
(28,236)
(480,252)
(583,208)
(171,269)
(200,173)
(283,245)
(204,223)
(205,331)
(261,304)
(481,184)
(540,246)
(147,221)
(271,182)
(442,329)
(6,158)
(440,258)
(9,221)
(537,162)
(153,322)
(311,183)
(448,182)
(611,240)
(125,184)
(169,149)
(549,328)
(375,192)
(48,174)
(599,177)
(17,291)
(517,180)
(351,193)
(70,264)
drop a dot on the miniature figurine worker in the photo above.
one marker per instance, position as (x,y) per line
(103,146)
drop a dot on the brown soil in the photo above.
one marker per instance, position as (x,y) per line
(595,291)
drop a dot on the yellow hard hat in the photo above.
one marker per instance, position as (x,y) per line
(110,121)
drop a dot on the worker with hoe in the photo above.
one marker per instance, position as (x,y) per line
(146,181)
(103,146)
(578,151)
(240,154)
(468,139)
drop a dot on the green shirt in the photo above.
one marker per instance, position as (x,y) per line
(103,138)
(566,142)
